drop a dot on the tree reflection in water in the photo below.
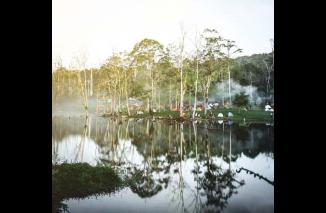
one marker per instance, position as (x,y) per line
(141,180)
(142,183)
(255,175)
(214,182)
(163,150)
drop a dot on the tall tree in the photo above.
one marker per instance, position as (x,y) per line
(212,56)
(197,45)
(112,80)
(167,76)
(145,54)
(231,49)
(80,63)
(180,66)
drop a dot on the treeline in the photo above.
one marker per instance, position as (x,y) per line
(165,77)
(256,70)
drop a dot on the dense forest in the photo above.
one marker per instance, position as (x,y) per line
(154,77)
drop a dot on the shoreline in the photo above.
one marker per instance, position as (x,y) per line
(245,117)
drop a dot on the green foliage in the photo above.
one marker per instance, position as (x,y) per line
(138,90)
(255,66)
(168,113)
(241,99)
(146,50)
(211,57)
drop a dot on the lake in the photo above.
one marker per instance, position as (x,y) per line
(179,167)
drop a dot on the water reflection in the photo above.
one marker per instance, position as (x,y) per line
(184,167)
(255,174)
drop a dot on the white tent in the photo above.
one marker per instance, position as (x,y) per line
(268,108)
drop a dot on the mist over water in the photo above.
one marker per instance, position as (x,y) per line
(72,106)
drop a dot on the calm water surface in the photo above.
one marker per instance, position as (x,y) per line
(186,167)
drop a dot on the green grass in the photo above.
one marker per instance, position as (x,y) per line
(250,116)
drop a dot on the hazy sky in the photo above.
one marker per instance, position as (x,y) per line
(99,27)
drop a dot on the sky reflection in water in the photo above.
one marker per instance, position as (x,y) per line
(185,167)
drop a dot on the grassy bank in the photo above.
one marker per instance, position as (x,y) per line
(250,116)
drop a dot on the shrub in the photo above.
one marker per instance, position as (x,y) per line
(241,99)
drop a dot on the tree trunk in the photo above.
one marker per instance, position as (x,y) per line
(181,93)
(97,102)
(230,148)
(148,104)
(267,78)
(181,142)
(181,72)
(152,83)
(58,85)
(119,98)
(208,83)
(170,127)
(223,103)
(268,83)
(170,96)
(91,90)
(206,101)
(222,140)
(126,93)
(159,101)
(250,76)
(111,104)
(115,100)
(189,99)
(176,100)
(69,86)
(83,93)
(196,89)
(85,82)
(127,102)
(230,99)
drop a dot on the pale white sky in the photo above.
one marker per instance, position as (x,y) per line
(98,27)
